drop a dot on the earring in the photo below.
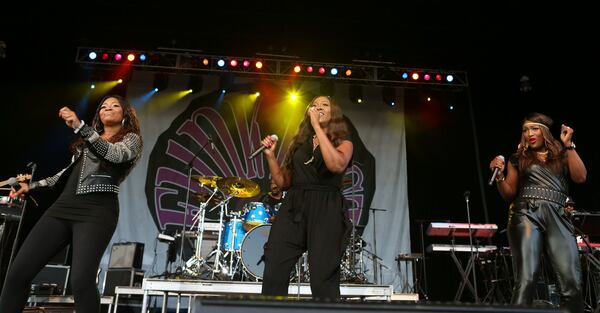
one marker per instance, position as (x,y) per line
(123,122)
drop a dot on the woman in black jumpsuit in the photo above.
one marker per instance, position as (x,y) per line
(86,212)
(537,181)
(311,217)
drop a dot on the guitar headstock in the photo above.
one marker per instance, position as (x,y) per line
(23,177)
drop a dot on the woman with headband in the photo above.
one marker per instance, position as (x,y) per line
(536,182)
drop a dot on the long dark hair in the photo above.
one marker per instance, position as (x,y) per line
(527,157)
(337,130)
(130,122)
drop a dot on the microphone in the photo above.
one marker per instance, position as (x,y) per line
(466,194)
(14,183)
(496,170)
(262,147)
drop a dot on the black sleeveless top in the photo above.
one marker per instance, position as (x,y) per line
(313,186)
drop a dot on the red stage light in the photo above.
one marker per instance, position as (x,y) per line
(309,69)
(321,70)
(233,63)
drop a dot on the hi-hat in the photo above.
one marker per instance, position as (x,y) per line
(208,181)
(238,187)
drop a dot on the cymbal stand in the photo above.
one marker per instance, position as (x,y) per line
(217,265)
(187,200)
(194,264)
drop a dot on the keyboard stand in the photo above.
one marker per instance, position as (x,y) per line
(464,273)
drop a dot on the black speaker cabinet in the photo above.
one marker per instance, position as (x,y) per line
(127,277)
(126,255)
(51,280)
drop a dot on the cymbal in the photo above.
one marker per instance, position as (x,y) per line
(238,187)
(208,181)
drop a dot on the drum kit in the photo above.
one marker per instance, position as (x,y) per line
(238,253)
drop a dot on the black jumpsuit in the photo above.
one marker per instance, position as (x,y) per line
(312,217)
(538,223)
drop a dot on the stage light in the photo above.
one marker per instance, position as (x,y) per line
(449,78)
(348,72)
(161,81)
(233,63)
(321,70)
(438,77)
(388,94)
(131,57)
(246,63)
(104,56)
(427,77)
(404,75)
(118,57)
(120,81)
(309,69)
(92,55)
(297,69)
(142,57)
(92,86)
(205,61)
(259,65)
(334,71)
(415,76)
(221,63)
(195,83)
(355,92)
(257,94)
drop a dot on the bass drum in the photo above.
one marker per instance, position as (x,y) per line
(252,251)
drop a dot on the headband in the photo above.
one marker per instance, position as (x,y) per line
(535,123)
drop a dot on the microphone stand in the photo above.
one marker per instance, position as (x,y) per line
(33,167)
(187,200)
(466,194)
(375,262)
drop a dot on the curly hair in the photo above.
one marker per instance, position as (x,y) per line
(527,157)
(337,130)
(130,122)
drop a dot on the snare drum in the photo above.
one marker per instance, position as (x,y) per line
(256,214)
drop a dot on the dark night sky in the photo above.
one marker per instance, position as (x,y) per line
(495,44)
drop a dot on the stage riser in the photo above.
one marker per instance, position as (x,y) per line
(244,306)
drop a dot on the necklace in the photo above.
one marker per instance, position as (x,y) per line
(315,145)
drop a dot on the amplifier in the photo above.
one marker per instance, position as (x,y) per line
(51,280)
(126,255)
(128,277)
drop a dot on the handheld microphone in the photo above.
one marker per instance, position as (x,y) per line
(262,147)
(496,171)
(14,183)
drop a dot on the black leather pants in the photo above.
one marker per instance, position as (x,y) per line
(537,226)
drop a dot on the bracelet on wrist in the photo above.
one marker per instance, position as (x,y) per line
(571,147)
(500,178)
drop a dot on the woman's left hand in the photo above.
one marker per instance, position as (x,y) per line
(69,117)
(566,134)
(314,117)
